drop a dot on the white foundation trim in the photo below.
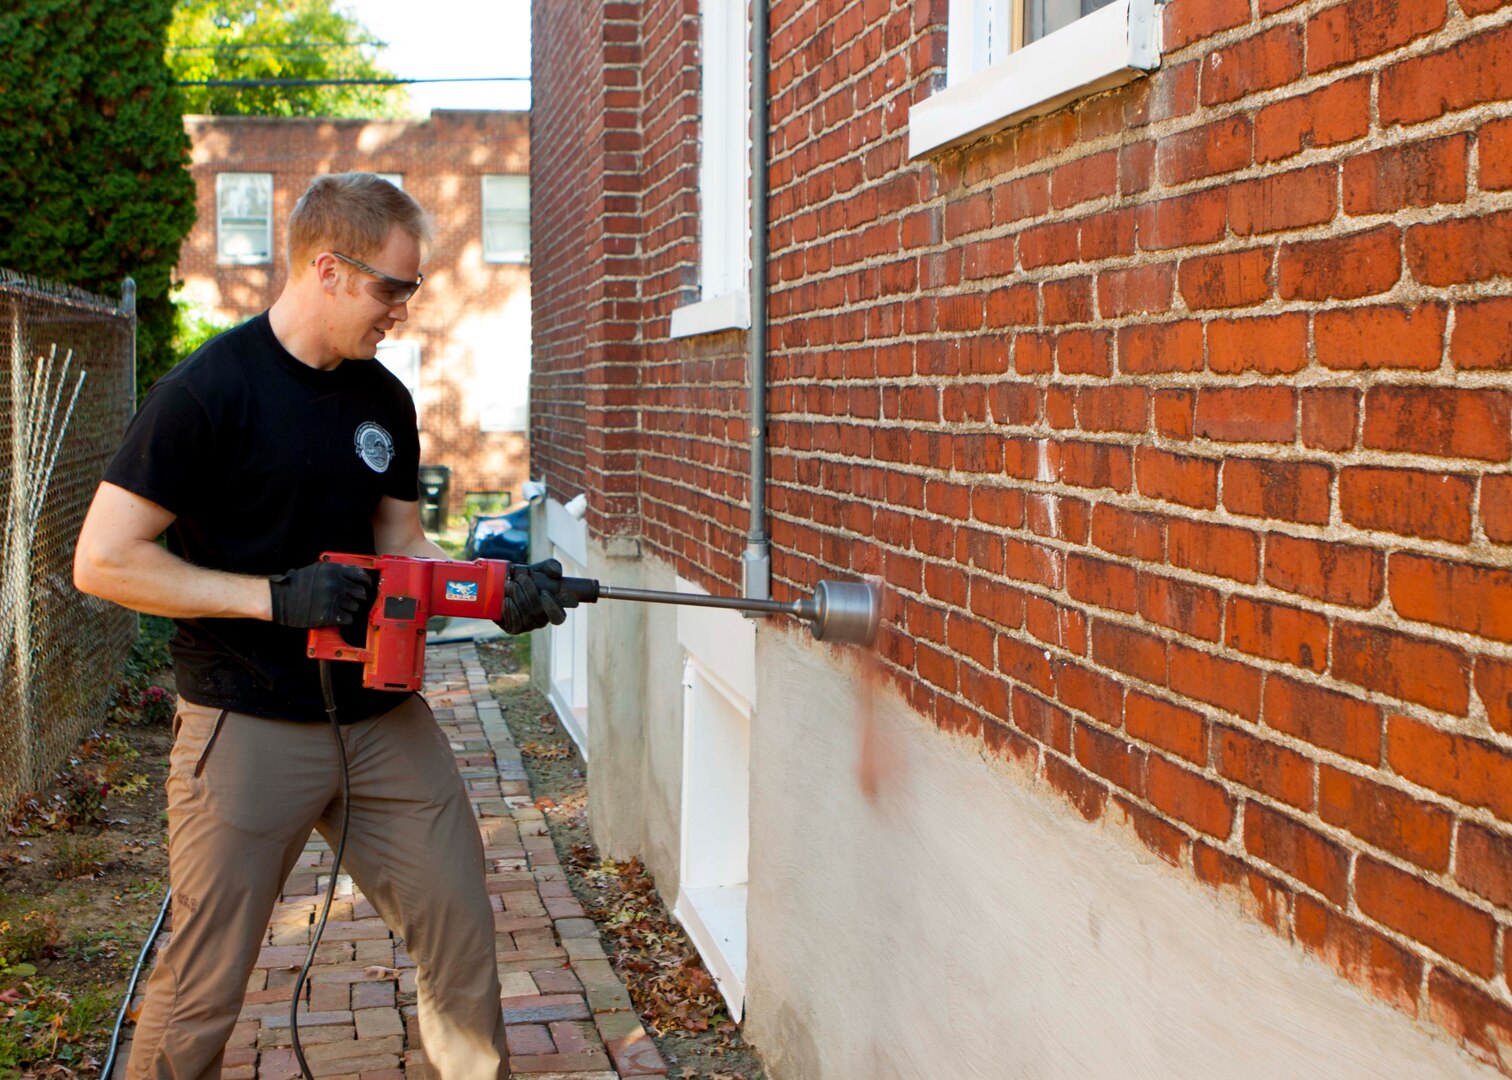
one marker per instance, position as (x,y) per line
(1111,46)
(567,531)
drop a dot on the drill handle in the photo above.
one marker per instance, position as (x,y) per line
(585,589)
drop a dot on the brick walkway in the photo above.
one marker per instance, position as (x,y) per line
(567,1013)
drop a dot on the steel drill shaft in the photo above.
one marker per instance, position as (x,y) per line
(802,609)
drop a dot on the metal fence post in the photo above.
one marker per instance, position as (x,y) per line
(129,305)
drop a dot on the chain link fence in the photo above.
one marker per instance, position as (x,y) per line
(66,394)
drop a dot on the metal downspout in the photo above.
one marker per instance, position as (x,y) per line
(757,559)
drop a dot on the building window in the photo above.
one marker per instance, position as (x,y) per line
(397,179)
(403,359)
(506,219)
(724,175)
(244,218)
(1010,60)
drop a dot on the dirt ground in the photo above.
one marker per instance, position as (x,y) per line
(678,1001)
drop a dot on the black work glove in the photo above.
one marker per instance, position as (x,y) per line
(534,597)
(321,594)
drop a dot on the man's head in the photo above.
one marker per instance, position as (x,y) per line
(355,246)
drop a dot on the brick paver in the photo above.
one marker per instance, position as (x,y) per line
(567,1013)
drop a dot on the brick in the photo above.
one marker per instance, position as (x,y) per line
(1410,668)
(1174,413)
(1084,179)
(1124,532)
(1412,907)
(1227,684)
(1266,60)
(1296,850)
(1134,653)
(1462,596)
(1285,634)
(1113,408)
(1025,662)
(1264,766)
(1137,290)
(1041,721)
(1230,280)
(1389,819)
(1089,692)
(1280,201)
(1190,797)
(1188,609)
(1324,718)
(1415,174)
(1189,481)
(1181,731)
(1222,550)
(1440,421)
(1247,414)
(1359,954)
(1329,417)
(1096,465)
(1192,20)
(1279,490)
(1067,301)
(1407,502)
(1087,795)
(1198,218)
(1049,245)
(1336,114)
(1469,770)
(1494,149)
(1210,150)
(1482,337)
(1358,29)
(1160,347)
(1496,507)
(1157,834)
(1493,685)
(1112,758)
(1325,570)
(1269,345)
(1033,354)
(1352,339)
(1084,352)
(1461,250)
(1262,896)
(1341,268)
(1021,198)
(1136,168)
(1476,70)
(1483,863)
(1096,581)
(1482,1024)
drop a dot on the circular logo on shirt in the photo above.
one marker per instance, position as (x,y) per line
(375,447)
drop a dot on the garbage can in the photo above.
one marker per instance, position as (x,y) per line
(435,483)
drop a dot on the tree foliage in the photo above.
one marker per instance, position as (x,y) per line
(220,40)
(94,183)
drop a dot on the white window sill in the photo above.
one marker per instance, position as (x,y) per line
(731,311)
(1107,48)
(715,918)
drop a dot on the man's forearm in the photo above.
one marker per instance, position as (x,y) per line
(147,578)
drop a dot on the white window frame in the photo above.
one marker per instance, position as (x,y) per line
(256,258)
(724,175)
(505,255)
(397,179)
(986,90)
(402,358)
(567,679)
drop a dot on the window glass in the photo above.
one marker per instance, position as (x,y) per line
(506,219)
(397,179)
(244,218)
(1042,17)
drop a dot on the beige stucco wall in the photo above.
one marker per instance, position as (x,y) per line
(960,922)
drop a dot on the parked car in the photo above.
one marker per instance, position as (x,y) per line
(500,536)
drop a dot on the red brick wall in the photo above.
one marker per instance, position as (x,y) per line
(1178,423)
(441,160)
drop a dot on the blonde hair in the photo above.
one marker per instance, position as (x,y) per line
(352,213)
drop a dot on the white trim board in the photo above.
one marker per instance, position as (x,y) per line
(1113,45)
(732,311)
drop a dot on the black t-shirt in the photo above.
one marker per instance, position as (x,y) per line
(267,463)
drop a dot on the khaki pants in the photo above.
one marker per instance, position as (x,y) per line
(243,795)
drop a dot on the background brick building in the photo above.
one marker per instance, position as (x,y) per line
(465,349)
(1172,406)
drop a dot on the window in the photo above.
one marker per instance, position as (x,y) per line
(1010,60)
(506,219)
(403,359)
(244,218)
(397,179)
(724,174)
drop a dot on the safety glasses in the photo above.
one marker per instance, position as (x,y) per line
(389,291)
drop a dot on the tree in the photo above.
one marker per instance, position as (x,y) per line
(227,40)
(94,183)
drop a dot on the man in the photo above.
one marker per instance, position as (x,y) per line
(274,442)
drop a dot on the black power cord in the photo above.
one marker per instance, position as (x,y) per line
(346,817)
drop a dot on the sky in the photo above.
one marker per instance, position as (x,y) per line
(437,39)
